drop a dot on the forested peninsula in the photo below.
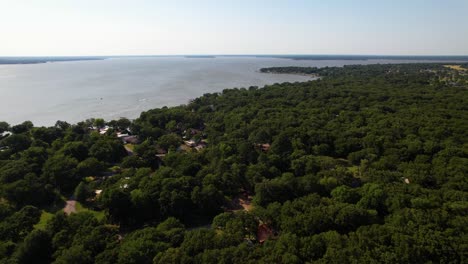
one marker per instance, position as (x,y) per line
(367,164)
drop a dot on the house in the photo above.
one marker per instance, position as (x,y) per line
(265,147)
(201,145)
(5,134)
(160,153)
(121,135)
(129,139)
(190,143)
(103,130)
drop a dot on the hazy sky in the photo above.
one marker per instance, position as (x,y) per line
(118,27)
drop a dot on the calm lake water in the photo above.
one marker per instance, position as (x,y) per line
(124,87)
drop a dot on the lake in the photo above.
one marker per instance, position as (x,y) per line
(124,87)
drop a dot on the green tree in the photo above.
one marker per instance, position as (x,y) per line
(82,192)
(61,171)
(4,126)
(16,142)
(36,248)
(90,167)
(108,150)
(169,141)
(74,255)
(22,128)
(99,123)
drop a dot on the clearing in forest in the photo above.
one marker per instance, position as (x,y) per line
(456,67)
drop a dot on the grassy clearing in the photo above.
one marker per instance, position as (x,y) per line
(98,214)
(49,213)
(45,217)
(455,67)
(130,147)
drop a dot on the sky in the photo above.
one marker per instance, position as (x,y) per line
(177,27)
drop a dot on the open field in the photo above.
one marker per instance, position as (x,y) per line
(456,67)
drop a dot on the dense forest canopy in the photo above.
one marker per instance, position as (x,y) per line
(367,164)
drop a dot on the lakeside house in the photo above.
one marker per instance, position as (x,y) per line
(124,135)
(103,130)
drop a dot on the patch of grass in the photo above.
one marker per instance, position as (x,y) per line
(185,148)
(81,208)
(129,146)
(45,217)
(89,179)
(115,169)
(455,67)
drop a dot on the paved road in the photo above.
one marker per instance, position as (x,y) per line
(70,207)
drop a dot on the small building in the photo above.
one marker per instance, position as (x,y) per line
(265,147)
(201,145)
(160,153)
(190,143)
(5,134)
(129,139)
(121,135)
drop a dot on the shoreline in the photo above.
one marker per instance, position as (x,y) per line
(293,73)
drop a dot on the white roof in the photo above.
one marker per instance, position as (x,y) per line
(6,133)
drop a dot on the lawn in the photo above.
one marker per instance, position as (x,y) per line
(48,213)
(45,217)
(130,147)
(455,67)
(98,214)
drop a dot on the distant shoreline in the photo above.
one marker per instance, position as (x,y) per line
(367,57)
(38,60)
(314,76)
(46,59)
(200,57)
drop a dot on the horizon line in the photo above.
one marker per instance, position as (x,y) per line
(232,54)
